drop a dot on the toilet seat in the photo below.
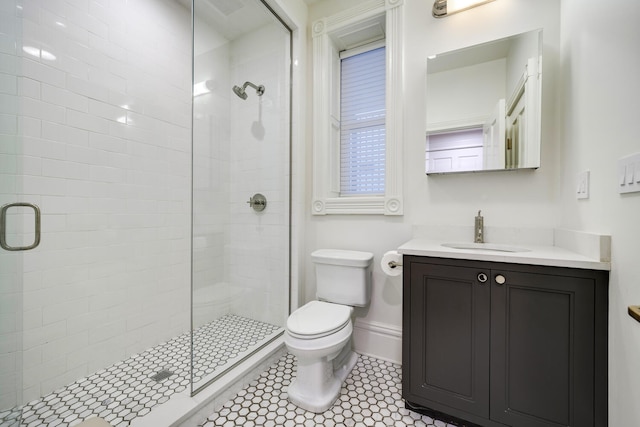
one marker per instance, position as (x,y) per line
(318,319)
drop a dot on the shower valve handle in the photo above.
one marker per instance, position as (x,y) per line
(258,202)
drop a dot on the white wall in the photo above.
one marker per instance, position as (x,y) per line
(522,198)
(521,50)
(465,93)
(600,94)
(105,141)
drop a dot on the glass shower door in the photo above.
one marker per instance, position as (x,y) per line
(10,287)
(241,183)
(11,226)
(95,102)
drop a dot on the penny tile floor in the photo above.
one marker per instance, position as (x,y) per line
(128,389)
(370,396)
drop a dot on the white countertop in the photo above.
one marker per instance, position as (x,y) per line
(554,256)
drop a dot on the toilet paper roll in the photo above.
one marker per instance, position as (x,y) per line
(391,263)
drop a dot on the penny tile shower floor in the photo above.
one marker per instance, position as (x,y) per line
(126,390)
(370,396)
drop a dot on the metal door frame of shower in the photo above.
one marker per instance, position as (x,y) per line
(287,27)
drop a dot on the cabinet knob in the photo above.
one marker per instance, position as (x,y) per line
(482,278)
(500,279)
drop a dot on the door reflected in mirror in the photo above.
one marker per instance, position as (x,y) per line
(484,106)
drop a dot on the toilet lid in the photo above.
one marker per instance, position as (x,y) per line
(317,319)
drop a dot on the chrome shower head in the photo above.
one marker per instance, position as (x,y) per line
(240,91)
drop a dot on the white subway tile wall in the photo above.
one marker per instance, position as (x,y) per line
(211,132)
(259,164)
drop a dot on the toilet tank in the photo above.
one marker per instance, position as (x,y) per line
(342,276)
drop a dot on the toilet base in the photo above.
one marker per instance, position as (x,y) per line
(326,376)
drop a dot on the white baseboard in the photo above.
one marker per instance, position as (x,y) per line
(378,340)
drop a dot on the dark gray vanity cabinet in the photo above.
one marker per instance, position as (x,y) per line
(498,344)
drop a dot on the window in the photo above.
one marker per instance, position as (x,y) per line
(362,123)
(358,111)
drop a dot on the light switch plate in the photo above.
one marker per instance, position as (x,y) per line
(628,170)
(582,191)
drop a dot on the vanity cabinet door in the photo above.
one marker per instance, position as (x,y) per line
(446,345)
(542,349)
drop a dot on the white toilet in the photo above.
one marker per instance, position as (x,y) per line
(319,333)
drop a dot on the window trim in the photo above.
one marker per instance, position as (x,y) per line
(326,197)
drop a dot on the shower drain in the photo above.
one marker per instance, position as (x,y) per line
(161,375)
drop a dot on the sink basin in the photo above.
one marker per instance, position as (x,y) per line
(486,247)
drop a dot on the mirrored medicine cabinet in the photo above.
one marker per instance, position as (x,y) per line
(484,106)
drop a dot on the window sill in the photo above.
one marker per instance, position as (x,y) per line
(357,205)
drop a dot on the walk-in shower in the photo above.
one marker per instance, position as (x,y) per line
(240,91)
(153,274)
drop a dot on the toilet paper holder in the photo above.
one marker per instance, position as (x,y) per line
(391,263)
(394,264)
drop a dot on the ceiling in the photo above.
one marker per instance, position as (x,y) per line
(230,18)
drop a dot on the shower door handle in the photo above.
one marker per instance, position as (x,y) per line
(3,227)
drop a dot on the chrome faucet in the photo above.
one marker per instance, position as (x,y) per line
(479,229)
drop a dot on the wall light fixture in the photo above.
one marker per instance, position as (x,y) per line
(442,8)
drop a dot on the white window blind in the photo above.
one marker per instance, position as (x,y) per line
(362,123)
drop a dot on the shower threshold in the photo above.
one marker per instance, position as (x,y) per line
(127,389)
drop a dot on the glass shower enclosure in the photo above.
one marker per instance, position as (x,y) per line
(145,202)
(241,182)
